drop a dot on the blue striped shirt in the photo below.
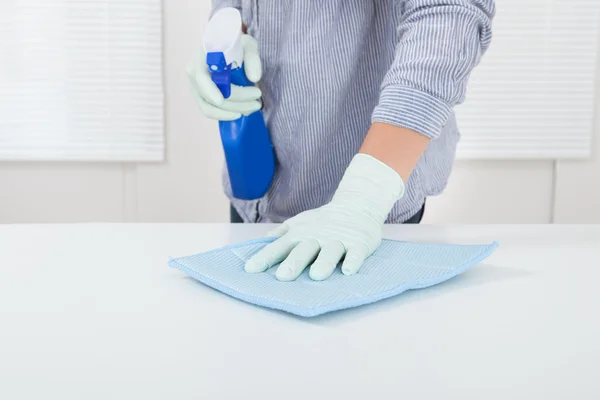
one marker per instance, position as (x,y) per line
(331,68)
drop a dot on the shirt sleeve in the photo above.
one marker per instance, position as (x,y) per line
(440,42)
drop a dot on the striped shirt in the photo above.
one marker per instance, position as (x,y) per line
(331,68)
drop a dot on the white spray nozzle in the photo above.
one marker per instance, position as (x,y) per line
(224,34)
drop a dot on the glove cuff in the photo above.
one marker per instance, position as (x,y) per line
(370,185)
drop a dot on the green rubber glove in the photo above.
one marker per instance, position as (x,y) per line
(243,100)
(349,227)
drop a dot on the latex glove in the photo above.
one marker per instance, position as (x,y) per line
(242,101)
(349,227)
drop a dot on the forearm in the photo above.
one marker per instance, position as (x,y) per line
(440,42)
(397,147)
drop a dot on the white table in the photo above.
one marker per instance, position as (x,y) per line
(93,312)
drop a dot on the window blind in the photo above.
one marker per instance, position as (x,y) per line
(81,80)
(532,96)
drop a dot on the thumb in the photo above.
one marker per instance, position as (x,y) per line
(252,63)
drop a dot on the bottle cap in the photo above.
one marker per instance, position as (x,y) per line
(223,34)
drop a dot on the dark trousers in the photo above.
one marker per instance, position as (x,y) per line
(415,219)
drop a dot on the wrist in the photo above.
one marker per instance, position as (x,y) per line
(371,185)
(397,147)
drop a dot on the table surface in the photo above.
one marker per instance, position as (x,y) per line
(92,311)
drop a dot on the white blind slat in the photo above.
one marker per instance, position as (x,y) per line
(533,94)
(81,80)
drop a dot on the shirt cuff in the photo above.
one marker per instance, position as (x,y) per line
(412,109)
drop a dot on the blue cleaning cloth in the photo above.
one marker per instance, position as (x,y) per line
(392,269)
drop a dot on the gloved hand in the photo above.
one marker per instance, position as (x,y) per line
(349,227)
(243,100)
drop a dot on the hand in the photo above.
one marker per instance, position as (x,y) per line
(243,100)
(349,227)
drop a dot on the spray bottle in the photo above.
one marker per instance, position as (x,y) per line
(248,149)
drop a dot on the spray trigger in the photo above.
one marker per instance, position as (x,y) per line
(220,72)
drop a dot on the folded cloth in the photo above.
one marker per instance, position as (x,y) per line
(394,267)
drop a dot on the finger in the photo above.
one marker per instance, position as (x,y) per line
(300,257)
(234,109)
(331,253)
(355,257)
(208,109)
(252,63)
(206,87)
(271,254)
(245,108)
(244,93)
(279,231)
(213,112)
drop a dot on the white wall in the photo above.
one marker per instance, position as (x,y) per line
(187,186)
